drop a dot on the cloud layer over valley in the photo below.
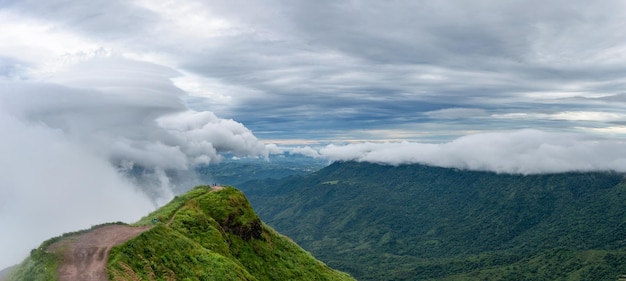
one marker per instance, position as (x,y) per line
(516,152)
(107,105)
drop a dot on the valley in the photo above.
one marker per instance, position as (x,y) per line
(416,222)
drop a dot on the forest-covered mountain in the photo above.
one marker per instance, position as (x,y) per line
(208,233)
(415,222)
(235,171)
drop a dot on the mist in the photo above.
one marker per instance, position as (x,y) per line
(514,152)
(51,185)
(105,140)
(107,106)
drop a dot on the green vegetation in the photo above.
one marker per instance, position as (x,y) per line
(206,235)
(38,266)
(200,235)
(164,254)
(167,211)
(235,172)
(557,264)
(41,264)
(415,222)
(377,222)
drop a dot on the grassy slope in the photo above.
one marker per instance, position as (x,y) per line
(200,235)
(414,222)
(213,236)
(38,266)
(42,265)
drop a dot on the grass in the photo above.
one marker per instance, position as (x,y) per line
(38,266)
(43,265)
(164,213)
(164,254)
(200,235)
(213,236)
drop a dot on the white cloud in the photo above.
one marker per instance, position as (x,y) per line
(456,113)
(302,150)
(207,88)
(99,74)
(37,40)
(129,111)
(52,184)
(598,116)
(100,136)
(588,116)
(611,130)
(517,152)
(189,20)
(202,134)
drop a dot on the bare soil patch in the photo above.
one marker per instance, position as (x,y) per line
(85,255)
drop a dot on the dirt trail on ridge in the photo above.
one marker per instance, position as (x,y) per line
(216,188)
(85,255)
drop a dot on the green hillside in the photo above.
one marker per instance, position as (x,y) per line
(201,235)
(415,222)
(4,273)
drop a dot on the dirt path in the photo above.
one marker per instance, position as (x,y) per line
(216,188)
(85,255)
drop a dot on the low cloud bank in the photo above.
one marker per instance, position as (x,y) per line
(517,152)
(51,184)
(103,140)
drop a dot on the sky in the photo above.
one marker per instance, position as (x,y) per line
(113,102)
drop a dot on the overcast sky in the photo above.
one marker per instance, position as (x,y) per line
(427,71)
(102,87)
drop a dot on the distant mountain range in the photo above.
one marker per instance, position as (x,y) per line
(415,222)
(376,222)
(235,171)
(208,233)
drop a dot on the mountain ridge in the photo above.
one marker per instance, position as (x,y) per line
(420,222)
(208,233)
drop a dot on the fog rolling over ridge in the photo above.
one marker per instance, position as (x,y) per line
(106,106)
(99,142)
(110,138)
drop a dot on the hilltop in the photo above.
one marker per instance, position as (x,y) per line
(204,234)
(417,222)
